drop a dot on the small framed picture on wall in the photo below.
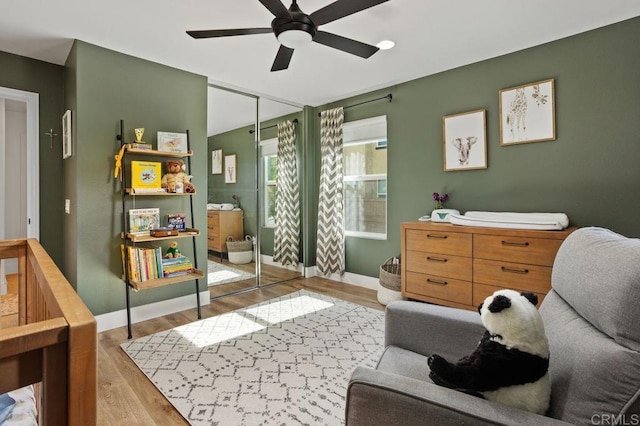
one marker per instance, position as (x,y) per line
(216,162)
(66,135)
(527,113)
(465,141)
(230,168)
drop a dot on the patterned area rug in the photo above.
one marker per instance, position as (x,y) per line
(286,361)
(222,274)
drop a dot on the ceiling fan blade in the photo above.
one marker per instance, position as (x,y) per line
(229,32)
(283,58)
(345,44)
(275,6)
(340,9)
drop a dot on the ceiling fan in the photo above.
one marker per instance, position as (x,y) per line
(293,28)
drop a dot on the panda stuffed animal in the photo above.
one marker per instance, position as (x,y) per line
(510,364)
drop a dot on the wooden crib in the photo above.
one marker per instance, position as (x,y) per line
(55,343)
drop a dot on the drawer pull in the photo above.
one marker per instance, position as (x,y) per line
(429,280)
(514,243)
(436,259)
(440,237)
(514,270)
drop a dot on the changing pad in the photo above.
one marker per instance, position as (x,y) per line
(538,221)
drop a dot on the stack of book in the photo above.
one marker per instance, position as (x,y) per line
(172,267)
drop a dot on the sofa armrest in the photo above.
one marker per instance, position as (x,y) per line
(427,329)
(379,398)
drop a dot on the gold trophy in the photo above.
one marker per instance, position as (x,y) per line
(139,143)
(139,132)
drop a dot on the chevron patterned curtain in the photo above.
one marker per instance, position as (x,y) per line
(286,240)
(330,244)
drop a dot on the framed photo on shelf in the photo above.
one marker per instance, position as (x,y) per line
(230,168)
(172,142)
(216,162)
(66,135)
(527,113)
(465,141)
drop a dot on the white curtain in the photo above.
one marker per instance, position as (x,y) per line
(330,236)
(287,232)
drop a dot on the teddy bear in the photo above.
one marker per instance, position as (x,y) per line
(175,176)
(173,250)
(510,364)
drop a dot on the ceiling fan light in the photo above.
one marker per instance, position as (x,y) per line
(294,39)
(385,45)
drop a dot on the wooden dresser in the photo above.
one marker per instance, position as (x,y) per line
(221,224)
(460,266)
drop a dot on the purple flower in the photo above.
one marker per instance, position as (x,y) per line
(235,197)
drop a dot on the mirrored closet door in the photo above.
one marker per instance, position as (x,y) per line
(241,197)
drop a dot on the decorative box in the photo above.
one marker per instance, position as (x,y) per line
(177,221)
(163,232)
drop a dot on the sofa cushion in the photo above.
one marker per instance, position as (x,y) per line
(591,374)
(597,272)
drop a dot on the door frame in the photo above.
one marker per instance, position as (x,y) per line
(33,156)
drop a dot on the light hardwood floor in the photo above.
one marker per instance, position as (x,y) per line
(127,397)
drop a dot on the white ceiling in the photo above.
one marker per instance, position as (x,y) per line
(431,36)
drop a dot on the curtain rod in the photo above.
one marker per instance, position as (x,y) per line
(388,96)
(295,120)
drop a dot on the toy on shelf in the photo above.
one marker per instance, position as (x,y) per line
(175,179)
(173,251)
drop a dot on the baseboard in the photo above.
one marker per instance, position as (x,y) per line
(268,260)
(348,278)
(140,313)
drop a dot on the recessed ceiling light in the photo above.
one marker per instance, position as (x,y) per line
(385,45)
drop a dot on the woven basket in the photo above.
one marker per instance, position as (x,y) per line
(390,274)
(389,282)
(239,245)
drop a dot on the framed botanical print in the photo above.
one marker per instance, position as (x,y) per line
(230,168)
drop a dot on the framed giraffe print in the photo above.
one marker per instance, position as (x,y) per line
(527,113)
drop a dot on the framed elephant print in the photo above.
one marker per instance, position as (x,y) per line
(465,141)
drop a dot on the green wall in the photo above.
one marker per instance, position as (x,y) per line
(105,87)
(242,143)
(590,172)
(30,75)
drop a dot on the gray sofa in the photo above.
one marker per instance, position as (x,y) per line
(592,322)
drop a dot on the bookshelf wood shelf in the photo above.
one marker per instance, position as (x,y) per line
(161,282)
(132,192)
(129,240)
(157,153)
(188,233)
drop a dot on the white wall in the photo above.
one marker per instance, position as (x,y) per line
(13,178)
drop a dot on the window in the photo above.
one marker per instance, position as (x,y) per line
(365,178)
(268,152)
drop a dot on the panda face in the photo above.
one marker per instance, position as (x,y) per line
(513,320)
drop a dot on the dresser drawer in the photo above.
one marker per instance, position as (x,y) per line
(215,243)
(441,288)
(213,220)
(518,276)
(533,251)
(456,243)
(482,291)
(442,265)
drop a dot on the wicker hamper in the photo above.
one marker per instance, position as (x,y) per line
(389,282)
(240,251)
